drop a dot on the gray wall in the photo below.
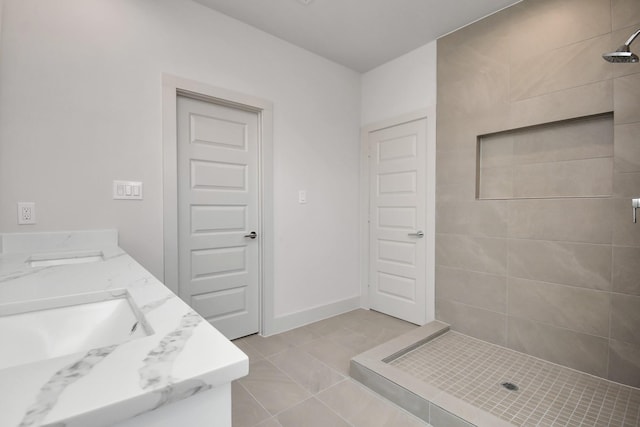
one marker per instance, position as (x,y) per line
(554,273)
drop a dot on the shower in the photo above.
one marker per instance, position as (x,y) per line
(623,54)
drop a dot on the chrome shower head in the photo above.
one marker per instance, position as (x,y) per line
(623,54)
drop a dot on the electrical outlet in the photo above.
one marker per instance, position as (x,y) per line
(26,213)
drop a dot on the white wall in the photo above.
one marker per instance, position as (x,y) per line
(403,85)
(402,88)
(81,106)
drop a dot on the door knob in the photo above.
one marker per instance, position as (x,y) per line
(419,234)
(251,235)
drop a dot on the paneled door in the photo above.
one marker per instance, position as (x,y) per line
(397,220)
(218,214)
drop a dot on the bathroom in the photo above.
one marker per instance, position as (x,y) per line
(81,106)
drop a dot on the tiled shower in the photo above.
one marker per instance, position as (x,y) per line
(538,157)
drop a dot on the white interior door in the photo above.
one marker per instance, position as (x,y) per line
(218,209)
(397,215)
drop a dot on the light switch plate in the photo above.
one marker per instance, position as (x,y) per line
(127,190)
(302,196)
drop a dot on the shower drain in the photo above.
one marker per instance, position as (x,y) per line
(509,386)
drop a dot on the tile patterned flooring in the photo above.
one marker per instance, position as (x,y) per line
(300,378)
(548,395)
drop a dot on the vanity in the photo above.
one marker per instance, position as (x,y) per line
(89,338)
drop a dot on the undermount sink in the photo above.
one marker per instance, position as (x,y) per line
(42,329)
(47,260)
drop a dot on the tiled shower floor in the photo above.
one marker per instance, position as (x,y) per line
(548,394)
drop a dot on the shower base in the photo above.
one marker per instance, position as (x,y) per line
(450,379)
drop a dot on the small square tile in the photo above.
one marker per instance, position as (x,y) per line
(549,394)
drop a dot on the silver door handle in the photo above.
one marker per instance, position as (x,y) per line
(418,234)
(251,235)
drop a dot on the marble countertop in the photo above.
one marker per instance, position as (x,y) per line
(183,356)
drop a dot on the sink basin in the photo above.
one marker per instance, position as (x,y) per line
(43,329)
(47,260)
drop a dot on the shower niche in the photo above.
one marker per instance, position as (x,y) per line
(565,159)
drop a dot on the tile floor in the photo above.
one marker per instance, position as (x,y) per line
(548,394)
(301,378)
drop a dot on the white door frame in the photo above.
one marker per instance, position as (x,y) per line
(430,115)
(173,86)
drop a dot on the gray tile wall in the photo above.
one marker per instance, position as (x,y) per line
(565,159)
(556,275)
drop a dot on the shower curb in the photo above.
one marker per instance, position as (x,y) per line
(438,408)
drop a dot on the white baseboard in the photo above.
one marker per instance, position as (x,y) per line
(300,318)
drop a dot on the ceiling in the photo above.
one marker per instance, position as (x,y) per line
(360,34)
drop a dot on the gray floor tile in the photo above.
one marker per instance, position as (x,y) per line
(378,328)
(362,408)
(253,354)
(287,371)
(271,422)
(352,318)
(327,326)
(362,315)
(353,340)
(311,413)
(386,335)
(272,388)
(306,370)
(347,399)
(299,336)
(246,411)
(267,346)
(331,353)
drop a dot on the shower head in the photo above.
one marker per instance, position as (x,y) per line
(623,54)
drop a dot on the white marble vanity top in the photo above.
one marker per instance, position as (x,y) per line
(180,354)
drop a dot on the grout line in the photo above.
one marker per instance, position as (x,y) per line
(292,379)
(558,91)
(334,412)
(527,239)
(506,314)
(257,401)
